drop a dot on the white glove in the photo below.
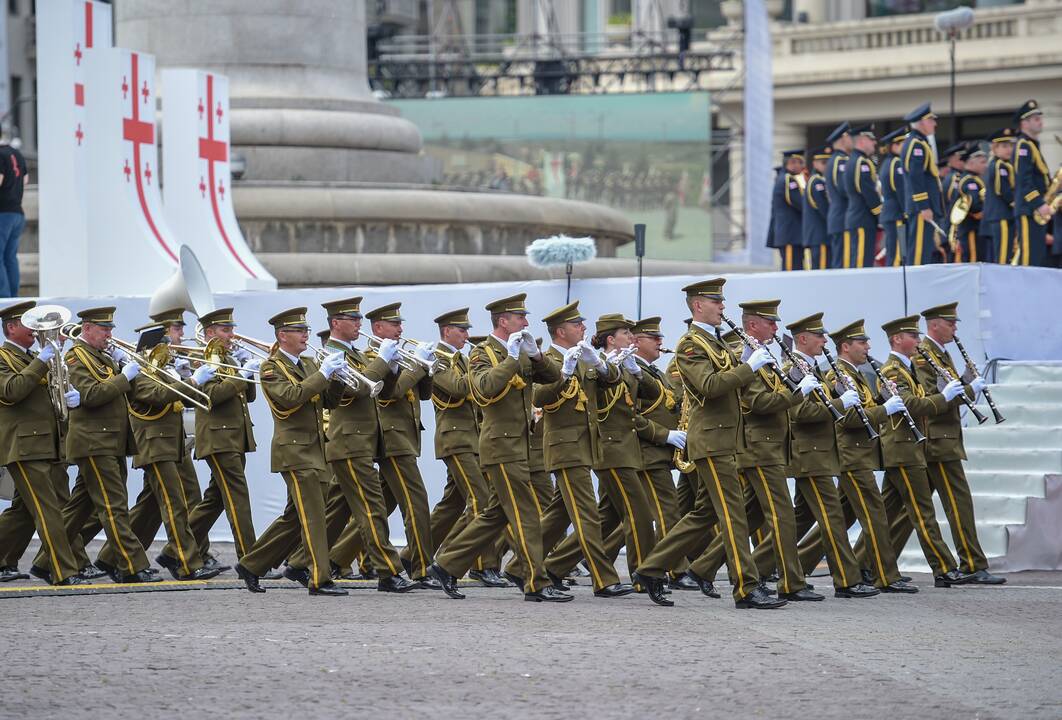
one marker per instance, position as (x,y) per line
(241,354)
(760,358)
(183,367)
(47,352)
(630,364)
(677,438)
(952,390)
(529,345)
(589,355)
(331,364)
(387,351)
(73,398)
(571,360)
(894,405)
(514,344)
(203,374)
(808,384)
(977,384)
(118,354)
(131,370)
(251,367)
(850,398)
(425,351)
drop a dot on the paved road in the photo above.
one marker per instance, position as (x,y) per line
(965,652)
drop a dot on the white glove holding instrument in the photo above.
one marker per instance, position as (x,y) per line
(808,384)
(73,398)
(251,367)
(387,350)
(677,438)
(240,354)
(590,356)
(760,358)
(514,345)
(630,364)
(203,374)
(331,364)
(952,390)
(183,367)
(850,398)
(118,354)
(131,370)
(47,352)
(571,361)
(529,345)
(977,384)
(894,405)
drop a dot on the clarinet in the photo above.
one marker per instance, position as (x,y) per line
(988,396)
(946,375)
(893,390)
(806,369)
(753,344)
(850,384)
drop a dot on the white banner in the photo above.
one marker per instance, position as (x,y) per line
(759,123)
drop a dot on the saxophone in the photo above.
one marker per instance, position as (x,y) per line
(679,460)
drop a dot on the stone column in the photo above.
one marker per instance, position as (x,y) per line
(301,104)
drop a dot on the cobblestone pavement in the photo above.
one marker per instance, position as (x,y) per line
(963,652)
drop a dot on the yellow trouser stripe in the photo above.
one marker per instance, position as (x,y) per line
(777,529)
(860,247)
(971,240)
(233,515)
(788,257)
(921,520)
(305,526)
(1004,241)
(579,531)
(412,516)
(656,502)
(1024,241)
(958,518)
(630,516)
(808,263)
(173,522)
(827,527)
(847,259)
(920,229)
(471,500)
(739,574)
(372,521)
(534,498)
(58,573)
(896,261)
(869,528)
(110,516)
(519,527)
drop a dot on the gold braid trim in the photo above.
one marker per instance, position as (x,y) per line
(284,414)
(666,396)
(514,382)
(93,366)
(613,397)
(574,390)
(722,360)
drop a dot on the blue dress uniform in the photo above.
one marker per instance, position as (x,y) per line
(813,220)
(951,185)
(864,207)
(970,246)
(921,191)
(1031,180)
(838,200)
(786,210)
(997,222)
(892,195)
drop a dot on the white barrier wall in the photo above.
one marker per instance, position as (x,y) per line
(990,297)
(69,33)
(197,189)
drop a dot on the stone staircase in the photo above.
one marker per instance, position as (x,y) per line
(1015,472)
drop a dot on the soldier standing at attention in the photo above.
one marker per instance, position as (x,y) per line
(998,220)
(815,213)
(892,221)
(786,209)
(840,141)
(864,200)
(1031,180)
(923,197)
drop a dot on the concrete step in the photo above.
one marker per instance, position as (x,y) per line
(991,436)
(996,482)
(993,538)
(1027,392)
(1047,414)
(1016,460)
(1019,372)
(992,509)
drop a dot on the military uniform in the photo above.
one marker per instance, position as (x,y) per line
(297,393)
(1031,180)
(864,206)
(813,217)
(786,211)
(892,213)
(29,449)
(922,191)
(501,386)
(970,246)
(998,219)
(838,205)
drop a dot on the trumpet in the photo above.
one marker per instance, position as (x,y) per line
(348,375)
(47,321)
(407,358)
(259,348)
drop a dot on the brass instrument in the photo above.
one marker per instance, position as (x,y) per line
(973,368)
(407,358)
(259,348)
(616,357)
(211,354)
(47,322)
(959,212)
(947,377)
(679,458)
(893,390)
(1052,198)
(349,376)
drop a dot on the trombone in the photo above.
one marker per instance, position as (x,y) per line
(47,321)
(211,354)
(259,348)
(348,375)
(407,359)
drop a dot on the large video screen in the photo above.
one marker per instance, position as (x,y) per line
(645,155)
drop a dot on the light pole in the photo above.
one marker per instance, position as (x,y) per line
(951,23)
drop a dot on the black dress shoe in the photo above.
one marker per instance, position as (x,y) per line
(706,586)
(91,572)
(395,584)
(299,575)
(330,590)
(900,587)
(272,574)
(72,580)
(981,577)
(9,573)
(906,578)
(614,591)
(516,580)
(408,565)
(801,595)
(868,577)
(767,590)
(170,564)
(141,577)
(41,574)
(951,577)
(111,570)
(350,575)
(489,577)
(548,594)
(654,586)
(558,582)
(684,582)
(249,579)
(427,582)
(759,600)
(369,573)
(446,581)
(211,563)
(773,577)
(859,590)
(202,573)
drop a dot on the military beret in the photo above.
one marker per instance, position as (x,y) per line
(457,318)
(350,307)
(838,132)
(922,112)
(851,331)
(386,312)
(102,316)
(901,325)
(16,311)
(567,313)
(706,288)
(293,319)
(648,326)
(764,308)
(512,304)
(221,316)
(949,311)
(810,324)
(1028,109)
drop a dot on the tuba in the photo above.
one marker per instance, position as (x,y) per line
(47,322)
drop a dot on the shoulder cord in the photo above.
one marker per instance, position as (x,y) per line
(514,382)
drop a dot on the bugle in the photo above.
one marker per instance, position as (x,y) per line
(407,359)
